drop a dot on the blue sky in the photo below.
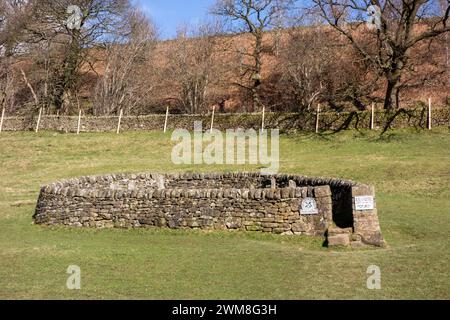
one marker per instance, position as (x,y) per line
(168,14)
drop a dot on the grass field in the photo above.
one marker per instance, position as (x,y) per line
(410,169)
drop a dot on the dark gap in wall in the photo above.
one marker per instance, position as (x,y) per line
(342,207)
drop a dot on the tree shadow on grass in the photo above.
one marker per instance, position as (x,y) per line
(352,122)
(410,114)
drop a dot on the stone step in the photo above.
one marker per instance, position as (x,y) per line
(339,240)
(333,231)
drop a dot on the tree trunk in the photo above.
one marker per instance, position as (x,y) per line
(390,101)
(66,81)
(256,77)
(393,76)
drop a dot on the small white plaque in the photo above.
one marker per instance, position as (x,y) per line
(364,203)
(309,207)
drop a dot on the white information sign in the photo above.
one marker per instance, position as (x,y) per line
(364,203)
(309,207)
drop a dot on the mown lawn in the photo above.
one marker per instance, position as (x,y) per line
(410,169)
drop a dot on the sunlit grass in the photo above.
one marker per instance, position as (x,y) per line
(410,169)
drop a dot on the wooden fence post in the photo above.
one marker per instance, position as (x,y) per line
(318,118)
(1,120)
(120,121)
(429,118)
(372,117)
(263,118)
(167,119)
(79,122)
(212,119)
(39,120)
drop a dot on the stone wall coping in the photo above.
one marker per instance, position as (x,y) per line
(74,187)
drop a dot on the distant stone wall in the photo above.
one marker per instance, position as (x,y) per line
(283,121)
(233,201)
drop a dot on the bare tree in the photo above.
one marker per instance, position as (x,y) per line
(305,62)
(124,84)
(315,66)
(13,15)
(403,24)
(253,17)
(47,31)
(192,66)
(7,85)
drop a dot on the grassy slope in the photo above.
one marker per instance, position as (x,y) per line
(411,171)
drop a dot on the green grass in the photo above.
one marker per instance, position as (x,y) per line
(410,169)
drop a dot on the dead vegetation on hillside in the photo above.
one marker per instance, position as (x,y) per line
(259,53)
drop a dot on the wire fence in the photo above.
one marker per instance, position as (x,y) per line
(314,121)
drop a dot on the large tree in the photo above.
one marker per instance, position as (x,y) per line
(252,17)
(315,66)
(193,67)
(44,36)
(399,25)
(125,83)
(13,16)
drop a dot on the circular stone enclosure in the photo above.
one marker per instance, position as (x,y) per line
(343,211)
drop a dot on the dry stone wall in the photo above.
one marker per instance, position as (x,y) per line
(233,201)
(283,121)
